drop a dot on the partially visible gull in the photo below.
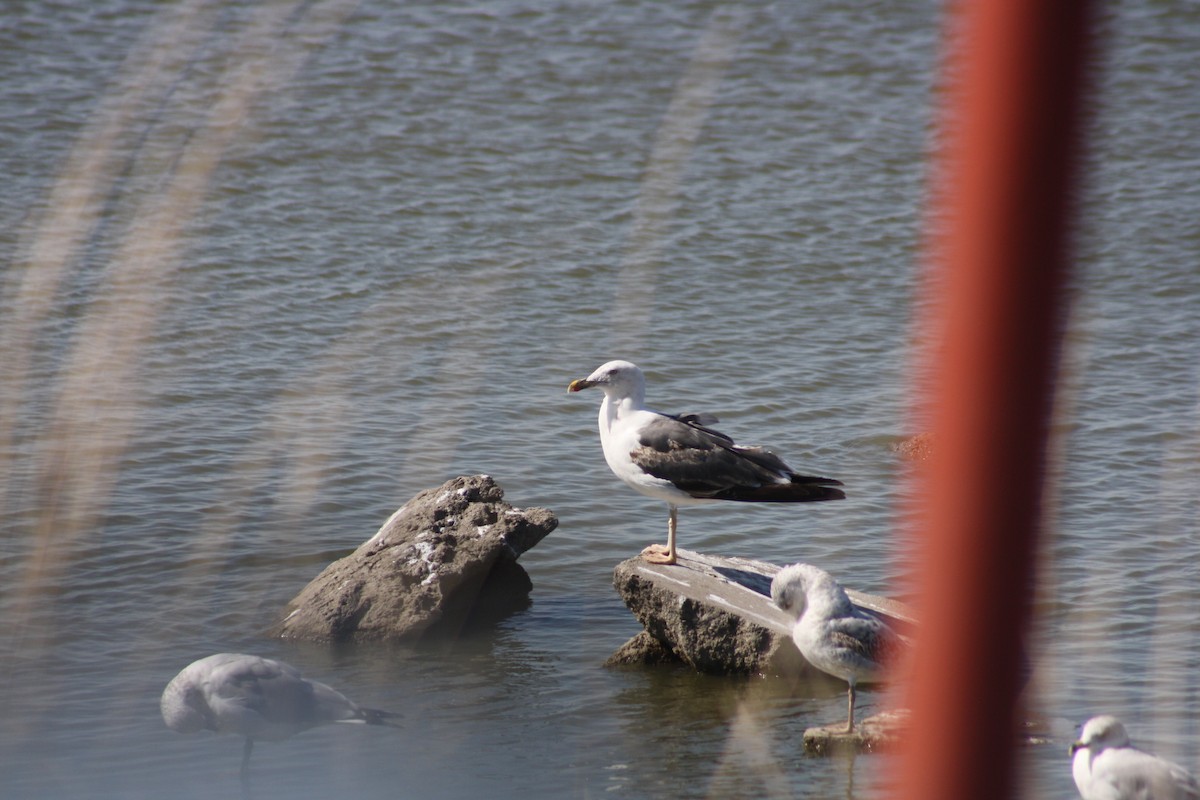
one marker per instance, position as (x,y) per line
(1107,767)
(831,633)
(257,698)
(679,459)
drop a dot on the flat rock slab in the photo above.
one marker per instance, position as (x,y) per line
(443,559)
(715,614)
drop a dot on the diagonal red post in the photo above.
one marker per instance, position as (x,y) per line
(998,255)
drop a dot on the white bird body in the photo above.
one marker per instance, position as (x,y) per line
(681,461)
(619,440)
(833,635)
(1106,766)
(258,698)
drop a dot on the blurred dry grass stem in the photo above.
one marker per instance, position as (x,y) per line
(131,158)
(681,126)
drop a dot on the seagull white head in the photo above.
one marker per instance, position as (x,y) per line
(1106,766)
(184,708)
(789,589)
(798,588)
(1099,733)
(617,379)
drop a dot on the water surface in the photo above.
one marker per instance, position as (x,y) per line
(268,271)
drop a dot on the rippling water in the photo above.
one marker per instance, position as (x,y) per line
(270,270)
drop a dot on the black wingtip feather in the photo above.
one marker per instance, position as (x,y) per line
(782,493)
(813,480)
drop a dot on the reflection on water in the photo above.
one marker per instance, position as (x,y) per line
(270,270)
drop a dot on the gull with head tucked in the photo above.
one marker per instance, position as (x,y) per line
(831,633)
(1106,766)
(257,698)
(677,458)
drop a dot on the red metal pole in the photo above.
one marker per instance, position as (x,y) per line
(998,255)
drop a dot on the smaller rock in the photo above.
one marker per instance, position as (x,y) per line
(879,733)
(642,650)
(447,557)
(915,448)
(884,732)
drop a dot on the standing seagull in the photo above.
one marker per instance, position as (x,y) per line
(257,698)
(677,459)
(830,632)
(1107,767)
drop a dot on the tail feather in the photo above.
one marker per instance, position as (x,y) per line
(814,480)
(373,716)
(802,489)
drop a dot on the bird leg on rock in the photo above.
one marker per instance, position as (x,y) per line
(850,719)
(660,554)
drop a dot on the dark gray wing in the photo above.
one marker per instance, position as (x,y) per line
(867,638)
(281,695)
(707,464)
(277,692)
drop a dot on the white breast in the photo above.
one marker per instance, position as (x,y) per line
(619,426)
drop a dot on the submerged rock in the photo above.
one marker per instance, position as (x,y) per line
(445,559)
(915,448)
(879,733)
(642,650)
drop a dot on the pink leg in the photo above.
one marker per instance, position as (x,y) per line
(657,553)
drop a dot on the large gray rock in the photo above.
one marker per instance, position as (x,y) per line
(715,614)
(447,556)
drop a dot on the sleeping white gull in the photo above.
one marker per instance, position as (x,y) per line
(1107,767)
(257,698)
(833,635)
(678,459)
